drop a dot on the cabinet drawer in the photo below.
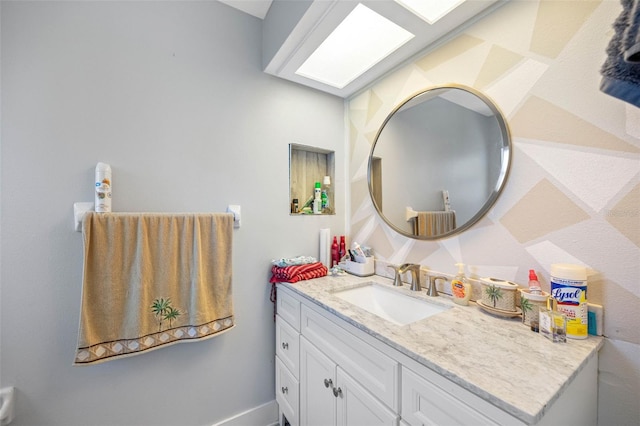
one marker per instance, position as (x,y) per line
(288,345)
(287,392)
(442,402)
(288,307)
(371,368)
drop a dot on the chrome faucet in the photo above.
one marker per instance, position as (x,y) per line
(432,290)
(415,274)
(397,279)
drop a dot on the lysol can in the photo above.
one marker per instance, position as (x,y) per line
(569,289)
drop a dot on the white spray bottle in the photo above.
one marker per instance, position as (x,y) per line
(103,188)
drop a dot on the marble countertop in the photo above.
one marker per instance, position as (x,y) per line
(499,359)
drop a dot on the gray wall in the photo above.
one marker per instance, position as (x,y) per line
(172,95)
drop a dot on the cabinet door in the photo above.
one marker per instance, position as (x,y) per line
(317,380)
(369,366)
(357,407)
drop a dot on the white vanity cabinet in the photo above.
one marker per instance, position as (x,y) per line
(330,371)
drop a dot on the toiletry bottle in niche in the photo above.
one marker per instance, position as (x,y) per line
(343,249)
(460,287)
(534,284)
(326,187)
(103,188)
(324,201)
(317,199)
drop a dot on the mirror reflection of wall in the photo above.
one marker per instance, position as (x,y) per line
(438,143)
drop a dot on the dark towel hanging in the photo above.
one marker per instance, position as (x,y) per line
(621,70)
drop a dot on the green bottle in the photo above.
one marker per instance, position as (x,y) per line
(317,199)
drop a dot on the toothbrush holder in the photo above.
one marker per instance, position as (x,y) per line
(361,269)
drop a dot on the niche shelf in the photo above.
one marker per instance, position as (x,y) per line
(308,165)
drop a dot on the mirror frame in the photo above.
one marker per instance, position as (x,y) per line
(497,189)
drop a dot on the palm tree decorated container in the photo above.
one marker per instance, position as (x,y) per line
(498,294)
(530,304)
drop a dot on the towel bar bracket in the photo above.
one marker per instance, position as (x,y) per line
(7,404)
(236,210)
(79,209)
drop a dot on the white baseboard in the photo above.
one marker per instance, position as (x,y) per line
(262,415)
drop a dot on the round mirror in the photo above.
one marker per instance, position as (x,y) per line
(439,162)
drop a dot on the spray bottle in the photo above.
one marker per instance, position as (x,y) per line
(103,188)
(534,284)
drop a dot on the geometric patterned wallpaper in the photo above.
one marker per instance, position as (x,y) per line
(573,193)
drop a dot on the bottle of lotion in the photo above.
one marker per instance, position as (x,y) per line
(460,287)
(103,188)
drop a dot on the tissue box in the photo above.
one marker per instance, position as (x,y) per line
(364,269)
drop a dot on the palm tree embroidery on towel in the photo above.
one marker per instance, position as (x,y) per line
(163,310)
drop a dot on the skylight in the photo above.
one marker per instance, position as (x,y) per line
(430,10)
(361,40)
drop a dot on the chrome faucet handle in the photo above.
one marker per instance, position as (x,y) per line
(432,290)
(415,274)
(397,279)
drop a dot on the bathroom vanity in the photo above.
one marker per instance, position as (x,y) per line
(337,363)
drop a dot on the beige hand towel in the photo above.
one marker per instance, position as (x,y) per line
(433,223)
(152,280)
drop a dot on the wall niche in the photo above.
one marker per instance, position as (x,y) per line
(308,165)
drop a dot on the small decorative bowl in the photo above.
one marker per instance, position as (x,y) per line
(530,305)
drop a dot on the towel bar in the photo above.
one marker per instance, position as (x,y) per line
(79,209)
(410,213)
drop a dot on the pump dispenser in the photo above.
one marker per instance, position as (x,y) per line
(460,287)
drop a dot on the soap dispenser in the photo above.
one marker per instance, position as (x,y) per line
(460,287)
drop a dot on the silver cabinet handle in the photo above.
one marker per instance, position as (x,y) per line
(328,383)
(285,389)
(337,392)
(285,345)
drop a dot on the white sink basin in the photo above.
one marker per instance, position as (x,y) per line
(389,304)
